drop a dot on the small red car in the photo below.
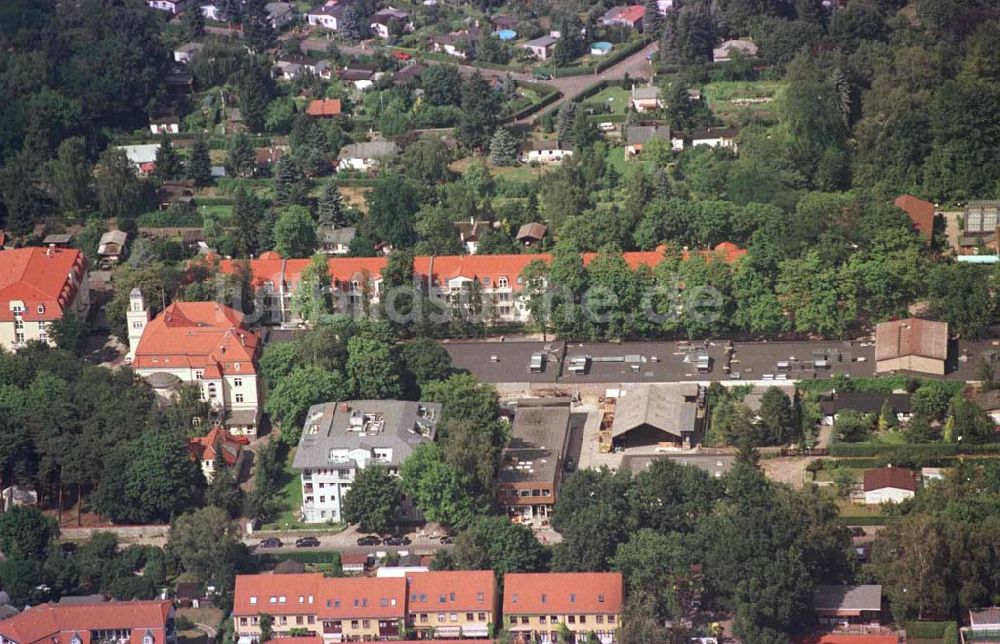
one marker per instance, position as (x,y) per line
(401,55)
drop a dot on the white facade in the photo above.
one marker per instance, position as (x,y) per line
(887,495)
(322,20)
(24,325)
(172,127)
(171,6)
(550,155)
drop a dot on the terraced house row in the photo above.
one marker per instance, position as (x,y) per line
(357,281)
(537,607)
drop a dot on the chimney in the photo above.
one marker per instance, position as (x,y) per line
(51,250)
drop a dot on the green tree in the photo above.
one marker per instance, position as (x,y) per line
(119,193)
(289,183)
(972,424)
(70,333)
(26,533)
(199,165)
(777,416)
(258,32)
(312,300)
(71,175)
(852,426)
(223,490)
(374,499)
(480,113)
(168,163)
(392,204)
(290,399)
(193,22)
(240,158)
(372,369)
(960,295)
(442,85)
(208,546)
(426,360)
(439,489)
(332,211)
(843,480)
(503,148)
(496,543)
(426,162)
(656,566)
(931,401)
(294,234)
(249,214)
(254,93)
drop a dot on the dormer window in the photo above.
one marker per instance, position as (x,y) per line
(41,309)
(147,638)
(502,281)
(253,600)
(17,309)
(76,639)
(237,366)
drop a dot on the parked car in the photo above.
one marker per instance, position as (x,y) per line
(306,542)
(270,542)
(396,541)
(369,540)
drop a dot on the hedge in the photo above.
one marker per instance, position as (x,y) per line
(925,630)
(923,450)
(167,219)
(312,557)
(607,118)
(619,54)
(580,70)
(865,520)
(551,95)
(882,385)
(361,182)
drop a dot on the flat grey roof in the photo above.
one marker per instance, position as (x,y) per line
(830,598)
(715,464)
(400,425)
(537,442)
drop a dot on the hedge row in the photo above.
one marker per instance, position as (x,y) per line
(619,54)
(924,450)
(552,95)
(166,219)
(579,70)
(925,630)
(312,557)
(881,385)
(607,118)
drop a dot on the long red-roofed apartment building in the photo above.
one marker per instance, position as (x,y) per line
(537,605)
(439,604)
(204,343)
(357,281)
(124,622)
(37,287)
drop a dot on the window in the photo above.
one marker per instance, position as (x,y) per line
(148,637)
(18,324)
(354,623)
(452,597)
(239,398)
(237,382)
(40,309)
(366,624)
(243,621)
(441,617)
(583,619)
(571,619)
(554,619)
(17,309)
(541,620)
(136,324)
(198,375)
(600,598)
(423,618)
(311,619)
(513,598)
(524,619)
(482,617)
(253,600)
(502,281)
(480,596)
(600,619)
(442,598)
(469,617)
(572,598)
(212,391)
(282,620)
(453,617)
(545,598)
(299,620)
(236,366)
(611,619)
(19,338)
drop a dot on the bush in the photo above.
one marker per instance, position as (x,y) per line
(182,623)
(926,630)
(865,520)
(167,219)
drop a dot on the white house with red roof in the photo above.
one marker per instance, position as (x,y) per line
(218,441)
(204,343)
(118,622)
(37,287)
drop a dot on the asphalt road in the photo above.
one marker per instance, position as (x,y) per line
(636,66)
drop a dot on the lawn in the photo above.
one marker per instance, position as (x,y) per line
(731,98)
(291,496)
(849,509)
(517,174)
(614,96)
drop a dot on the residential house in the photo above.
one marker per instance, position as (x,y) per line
(172,7)
(646,99)
(980,220)
(212,11)
(540,48)
(355,563)
(531,234)
(112,246)
(335,241)
(324,108)
(533,463)
(187,51)
(457,43)
(179,81)
(984,624)
(266,158)
(342,438)
(636,136)
(366,157)
(547,151)
(327,15)
(143,157)
(716,137)
(889,485)
(176,191)
(716,465)
(451,603)
(627,16)
(219,440)
(202,343)
(292,66)
(988,401)
(191,594)
(865,403)
(740,47)
(408,74)
(911,344)
(536,606)
(469,232)
(171,124)
(503,21)
(280,13)
(338,609)
(362,75)
(921,213)
(385,21)
(356,281)
(124,622)
(851,605)
(37,287)
(58,240)
(656,416)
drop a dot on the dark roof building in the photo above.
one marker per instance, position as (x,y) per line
(865,402)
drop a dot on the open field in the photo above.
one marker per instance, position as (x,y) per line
(729,99)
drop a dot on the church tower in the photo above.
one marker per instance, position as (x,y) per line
(137,317)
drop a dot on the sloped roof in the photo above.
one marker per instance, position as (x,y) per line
(639,134)
(48,621)
(324,107)
(533,230)
(838,597)
(558,593)
(369,150)
(890,477)
(911,337)
(658,407)
(328,598)
(203,448)
(452,590)
(921,214)
(46,277)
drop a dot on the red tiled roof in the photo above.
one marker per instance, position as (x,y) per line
(324,107)
(452,590)
(60,622)
(632,13)
(198,335)
(921,213)
(895,477)
(911,337)
(328,598)
(563,592)
(49,277)
(488,268)
(202,448)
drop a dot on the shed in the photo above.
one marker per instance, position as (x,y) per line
(650,415)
